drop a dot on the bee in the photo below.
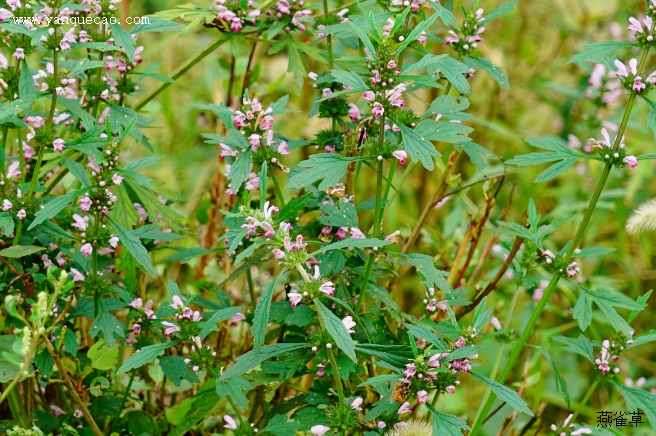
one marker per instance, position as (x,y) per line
(399,393)
(338,190)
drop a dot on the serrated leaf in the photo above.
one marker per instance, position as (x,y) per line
(123,40)
(233,388)
(637,399)
(261,317)
(555,170)
(17,251)
(449,107)
(341,215)
(156,24)
(581,346)
(54,207)
(352,243)
(144,355)
(583,311)
(83,65)
(506,394)
(175,369)
(445,424)
(26,88)
(351,79)
(423,332)
(328,167)
(209,326)
(337,330)
(561,385)
(250,360)
(110,327)
(278,425)
(418,148)
(78,171)
(501,10)
(599,52)
(430,275)
(395,355)
(7,224)
(492,70)
(240,170)
(292,208)
(135,247)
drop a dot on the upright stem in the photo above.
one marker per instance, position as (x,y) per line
(329,38)
(276,185)
(585,399)
(530,326)
(251,291)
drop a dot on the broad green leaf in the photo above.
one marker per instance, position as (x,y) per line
(123,40)
(444,14)
(501,10)
(581,345)
(418,148)
(26,88)
(250,360)
(445,424)
(233,388)
(644,338)
(395,355)
(240,170)
(352,243)
(156,24)
(351,79)
(17,251)
(492,70)
(110,327)
(54,207)
(135,247)
(78,171)
(583,311)
(449,107)
(506,394)
(423,332)
(328,167)
(292,208)
(83,65)
(341,215)
(555,170)
(599,52)
(175,369)
(278,425)
(641,300)
(102,357)
(261,317)
(144,355)
(637,399)
(365,40)
(430,275)
(6,223)
(616,300)
(337,330)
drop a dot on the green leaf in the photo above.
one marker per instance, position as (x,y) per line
(452,69)
(444,14)
(423,332)
(395,355)
(501,10)
(233,388)
(144,355)
(278,425)
(641,300)
(26,88)
(156,24)
(135,247)
(418,148)
(102,357)
(250,360)
(261,316)
(123,40)
(430,275)
(342,215)
(449,107)
(175,369)
(351,79)
(561,385)
(555,170)
(352,243)
(292,208)
(6,223)
(615,300)
(506,394)
(110,327)
(445,424)
(581,346)
(84,65)
(328,167)
(17,251)
(336,329)
(600,52)
(264,183)
(583,311)
(54,207)
(240,170)
(492,70)
(78,171)
(644,338)
(637,399)
(209,326)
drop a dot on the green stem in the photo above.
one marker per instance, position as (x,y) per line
(251,291)
(17,409)
(378,215)
(338,380)
(178,73)
(5,133)
(585,399)
(127,392)
(234,407)
(276,185)
(329,38)
(530,326)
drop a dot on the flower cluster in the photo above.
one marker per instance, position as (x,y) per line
(643,35)
(569,429)
(619,157)
(467,37)
(234,15)
(291,14)
(610,353)
(559,264)
(312,289)
(631,80)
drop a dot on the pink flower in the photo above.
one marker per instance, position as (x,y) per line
(231,424)
(177,303)
(58,144)
(12,170)
(328,288)
(136,329)
(495,323)
(369,95)
(319,430)
(354,112)
(136,303)
(57,410)
(238,317)
(313,76)
(548,256)
(357,403)
(451,389)
(19,54)
(170,328)
(460,342)
(377,110)
(401,155)
(357,233)
(113,241)
(278,253)
(86,249)
(80,223)
(148,310)
(85,204)
(434,361)
(21,214)
(320,371)
(6,205)
(77,275)
(405,408)
(283,148)
(410,370)
(422,396)
(572,269)
(326,92)
(294,298)
(631,161)
(116,179)
(349,324)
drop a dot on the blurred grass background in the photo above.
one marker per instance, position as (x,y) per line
(532,44)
